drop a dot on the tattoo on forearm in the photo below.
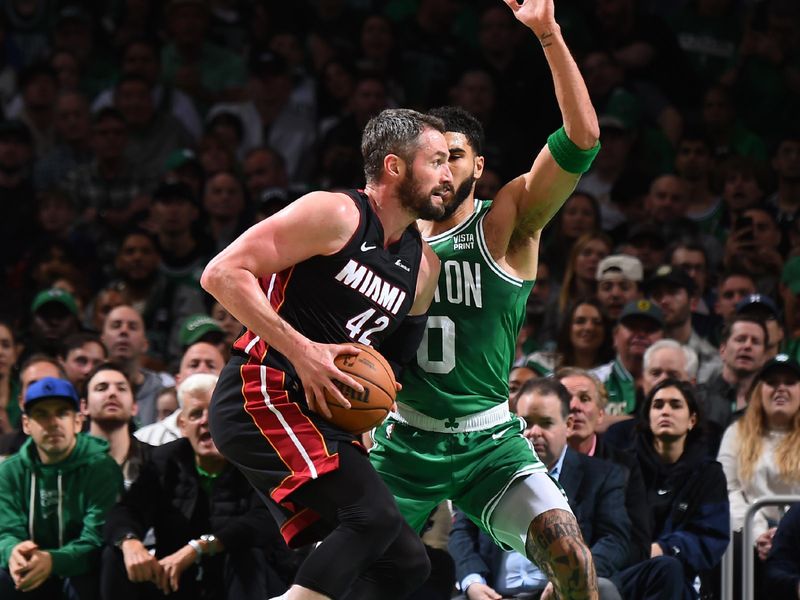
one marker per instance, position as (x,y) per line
(545,39)
(556,545)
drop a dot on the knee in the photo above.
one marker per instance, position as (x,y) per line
(667,567)
(666,573)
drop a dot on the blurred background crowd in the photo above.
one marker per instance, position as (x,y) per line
(139,138)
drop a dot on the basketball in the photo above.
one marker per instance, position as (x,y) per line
(369,408)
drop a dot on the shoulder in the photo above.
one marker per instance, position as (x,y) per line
(12,467)
(333,209)
(730,439)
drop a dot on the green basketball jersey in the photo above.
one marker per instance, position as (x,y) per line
(468,348)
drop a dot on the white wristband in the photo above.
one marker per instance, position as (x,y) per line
(198,549)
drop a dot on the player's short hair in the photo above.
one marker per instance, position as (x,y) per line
(458,120)
(393,131)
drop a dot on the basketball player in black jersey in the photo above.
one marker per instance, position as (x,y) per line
(331,268)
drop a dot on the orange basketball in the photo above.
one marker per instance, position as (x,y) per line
(369,408)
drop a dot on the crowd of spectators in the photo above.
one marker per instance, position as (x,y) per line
(139,138)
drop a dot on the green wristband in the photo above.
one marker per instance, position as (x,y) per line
(568,156)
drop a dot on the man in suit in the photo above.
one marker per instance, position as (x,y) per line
(587,410)
(596,492)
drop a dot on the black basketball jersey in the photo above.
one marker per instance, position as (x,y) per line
(360,294)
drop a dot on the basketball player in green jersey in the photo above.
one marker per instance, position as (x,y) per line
(453,436)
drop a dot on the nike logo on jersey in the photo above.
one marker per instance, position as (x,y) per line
(399,263)
(365,248)
(499,434)
(662,492)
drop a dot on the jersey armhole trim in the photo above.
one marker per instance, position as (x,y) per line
(355,196)
(487,256)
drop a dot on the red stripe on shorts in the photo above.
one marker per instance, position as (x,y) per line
(274,288)
(295,525)
(293,436)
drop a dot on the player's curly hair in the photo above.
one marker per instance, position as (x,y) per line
(458,120)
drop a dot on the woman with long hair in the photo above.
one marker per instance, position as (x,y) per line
(580,276)
(760,453)
(686,494)
(584,339)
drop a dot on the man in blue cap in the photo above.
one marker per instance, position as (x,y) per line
(54,495)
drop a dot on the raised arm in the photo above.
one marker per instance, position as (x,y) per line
(319,223)
(528,202)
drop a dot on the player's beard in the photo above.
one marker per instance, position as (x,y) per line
(418,201)
(459,195)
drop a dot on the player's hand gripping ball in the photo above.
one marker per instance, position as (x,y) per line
(369,408)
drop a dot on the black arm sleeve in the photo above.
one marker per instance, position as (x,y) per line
(400,347)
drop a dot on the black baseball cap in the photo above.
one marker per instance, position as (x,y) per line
(672,276)
(781,361)
(759,305)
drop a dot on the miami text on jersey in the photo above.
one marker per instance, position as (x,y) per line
(363,280)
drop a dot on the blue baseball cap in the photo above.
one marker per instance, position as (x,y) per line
(51,388)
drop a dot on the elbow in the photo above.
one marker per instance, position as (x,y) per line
(590,135)
(594,134)
(210,278)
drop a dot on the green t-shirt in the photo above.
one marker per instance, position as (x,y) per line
(469,343)
(206,479)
